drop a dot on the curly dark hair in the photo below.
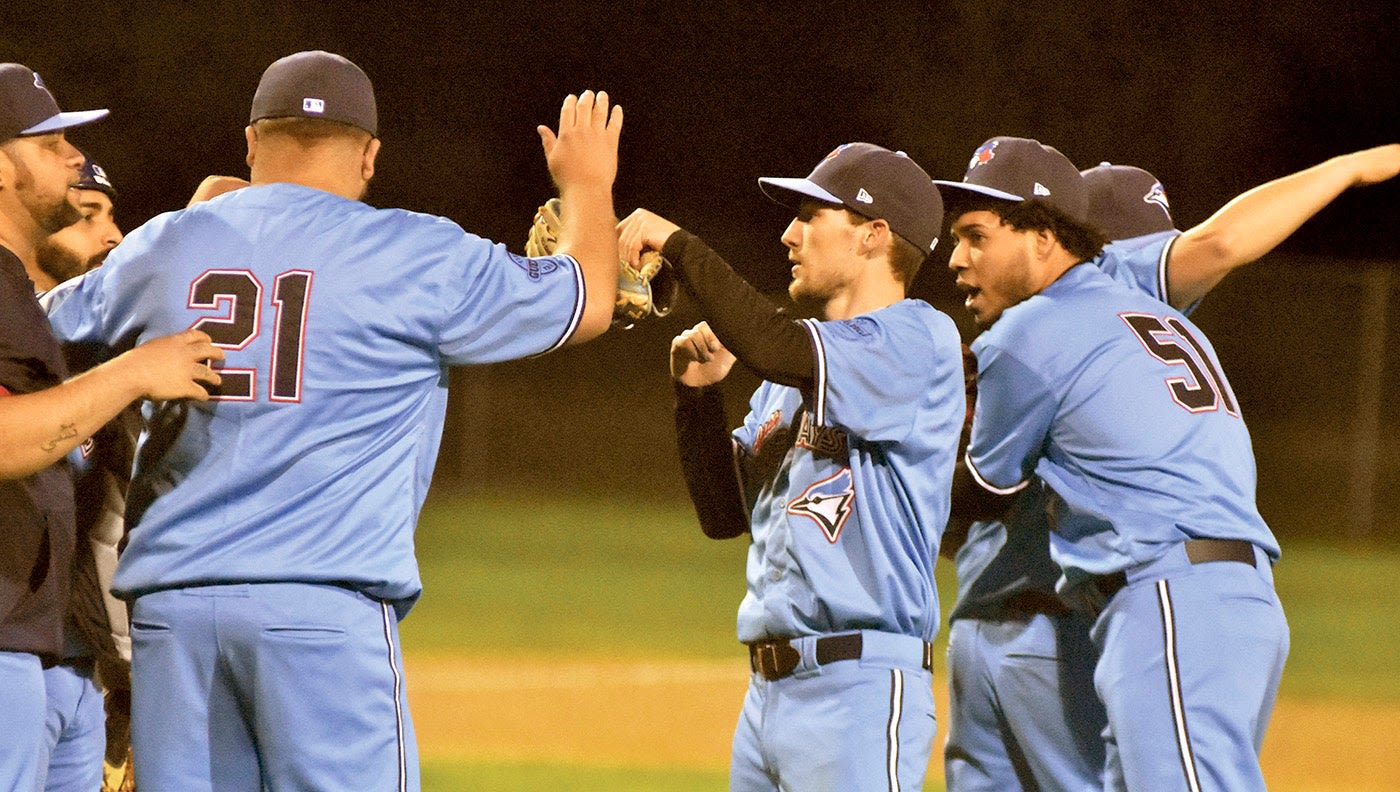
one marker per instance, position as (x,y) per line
(1082,240)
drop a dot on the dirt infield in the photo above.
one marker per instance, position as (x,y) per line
(681,714)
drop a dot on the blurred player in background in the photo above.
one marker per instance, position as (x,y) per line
(97,651)
(83,245)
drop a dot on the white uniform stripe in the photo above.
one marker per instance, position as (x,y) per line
(987,485)
(1183,736)
(892,734)
(398,694)
(819,383)
(1162,290)
(577,316)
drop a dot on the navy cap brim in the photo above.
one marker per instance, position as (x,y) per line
(990,192)
(65,120)
(790,192)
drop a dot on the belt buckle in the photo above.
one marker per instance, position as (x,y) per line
(774,660)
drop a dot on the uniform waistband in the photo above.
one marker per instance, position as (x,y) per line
(1186,554)
(778,658)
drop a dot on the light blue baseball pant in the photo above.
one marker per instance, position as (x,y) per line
(1023,714)
(269,686)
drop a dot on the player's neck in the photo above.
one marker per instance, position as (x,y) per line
(1053,267)
(863,297)
(22,239)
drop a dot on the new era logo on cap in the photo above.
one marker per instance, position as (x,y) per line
(864,197)
(317,106)
(1040,189)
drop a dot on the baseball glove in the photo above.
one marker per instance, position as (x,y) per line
(649,290)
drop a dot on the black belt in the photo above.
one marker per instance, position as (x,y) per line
(1029,603)
(1198,551)
(777,658)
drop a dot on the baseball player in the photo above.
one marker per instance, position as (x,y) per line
(43,417)
(82,246)
(1023,714)
(1017,653)
(270,554)
(1119,405)
(840,471)
(97,624)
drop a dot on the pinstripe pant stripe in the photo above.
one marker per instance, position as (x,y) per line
(892,730)
(1183,735)
(398,694)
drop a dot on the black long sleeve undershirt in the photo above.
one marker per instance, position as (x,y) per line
(708,462)
(757,331)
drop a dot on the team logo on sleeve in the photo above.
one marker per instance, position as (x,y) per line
(1157,195)
(984,154)
(828,503)
(761,436)
(535,268)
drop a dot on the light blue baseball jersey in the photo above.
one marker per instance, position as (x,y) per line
(846,532)
(1119,404)
(992,565)
(314,460)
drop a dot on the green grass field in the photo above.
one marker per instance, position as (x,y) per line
(537,576)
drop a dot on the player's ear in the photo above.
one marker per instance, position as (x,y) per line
(367,158)
(875,237)
(1045,242)
(252,137)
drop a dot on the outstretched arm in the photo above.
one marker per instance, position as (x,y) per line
(38,429)
(582,158)
(1256,221)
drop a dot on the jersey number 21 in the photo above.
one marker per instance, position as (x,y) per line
(237,294)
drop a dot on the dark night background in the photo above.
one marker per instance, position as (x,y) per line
(1213,98)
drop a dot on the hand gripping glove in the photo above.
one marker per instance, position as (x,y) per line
(649,290)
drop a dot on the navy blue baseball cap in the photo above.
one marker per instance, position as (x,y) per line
(92,177)
(316,84)
(27,107)
(1021,169)
(873,182)
(1126,202)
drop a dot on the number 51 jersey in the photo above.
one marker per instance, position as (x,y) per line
(338,321)
(1119,404)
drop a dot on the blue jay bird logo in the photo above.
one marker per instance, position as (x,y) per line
(1158,196)
(828,503)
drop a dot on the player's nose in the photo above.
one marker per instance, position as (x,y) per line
(792,236)
(957,260)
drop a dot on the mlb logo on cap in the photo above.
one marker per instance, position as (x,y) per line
(316,84)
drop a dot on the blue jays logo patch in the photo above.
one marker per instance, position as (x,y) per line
(837,150)
(984,154)
(828,503)
(1158,196)
(535,268)
(761,436)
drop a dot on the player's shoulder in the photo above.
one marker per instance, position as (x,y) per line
(910,320)
(1150,246)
